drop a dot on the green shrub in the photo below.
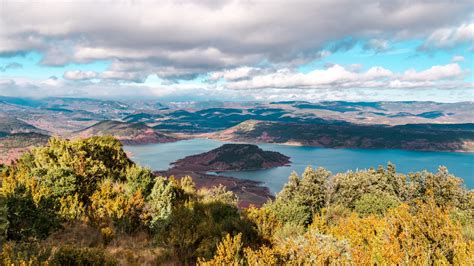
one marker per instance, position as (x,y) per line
(28,219)
(23,253)
(3,219)
(164,195)
(349,187)
(69,255)
(375,204)
(290,212)
(139,178)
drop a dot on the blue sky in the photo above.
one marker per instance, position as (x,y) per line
(399,57)
(32,68)
(238,50)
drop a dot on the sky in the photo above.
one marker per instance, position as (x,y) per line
(394,50)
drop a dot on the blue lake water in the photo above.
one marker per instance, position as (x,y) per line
(159,157)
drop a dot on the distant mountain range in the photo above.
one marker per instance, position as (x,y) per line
(432,126)
(127,133)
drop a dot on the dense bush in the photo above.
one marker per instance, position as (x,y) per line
(33,253)
(112,206)
(375,204)
(25,253)
(28,219)
(369,217)
(4,223)
(68,255)
(196,228)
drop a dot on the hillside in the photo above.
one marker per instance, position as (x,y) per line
(63,116)
(408,137)
(127,133)
(17,136)
(89,204)
(13,145)
(12,125)
(232,157)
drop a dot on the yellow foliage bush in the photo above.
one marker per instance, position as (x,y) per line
(265,221)
(111,205)
(262,256)
(421,235)
(229,252)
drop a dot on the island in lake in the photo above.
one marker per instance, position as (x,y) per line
(230,157)
(233,157)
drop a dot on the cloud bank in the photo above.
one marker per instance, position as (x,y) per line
(247,44)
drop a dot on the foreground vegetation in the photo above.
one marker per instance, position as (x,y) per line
(84,202)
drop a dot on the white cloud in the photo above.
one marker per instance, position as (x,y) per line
(450,37)
(80,75)
(335,76)
(458,58)
(235,74)
(449,71)
(254,47)
(182,39)
(106,75)
(339,77)
(398,90)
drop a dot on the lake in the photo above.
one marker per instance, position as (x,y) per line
(159,157)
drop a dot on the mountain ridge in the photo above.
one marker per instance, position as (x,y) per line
(423,137)
(127,133)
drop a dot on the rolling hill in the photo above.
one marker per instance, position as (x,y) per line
(12,125)
(127,133)
(17,136)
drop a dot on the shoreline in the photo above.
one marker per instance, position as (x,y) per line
(249,192)
(185,136)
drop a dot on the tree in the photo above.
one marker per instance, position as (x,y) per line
(188,185)
(290,212)
(164,195)
(300,199)
(139,179)
(66,168)
(447,189)
(422,234)
(349,187)
(425,234)
(218,194)
(312,191)
(290,189)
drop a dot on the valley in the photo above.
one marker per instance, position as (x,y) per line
(338,124)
